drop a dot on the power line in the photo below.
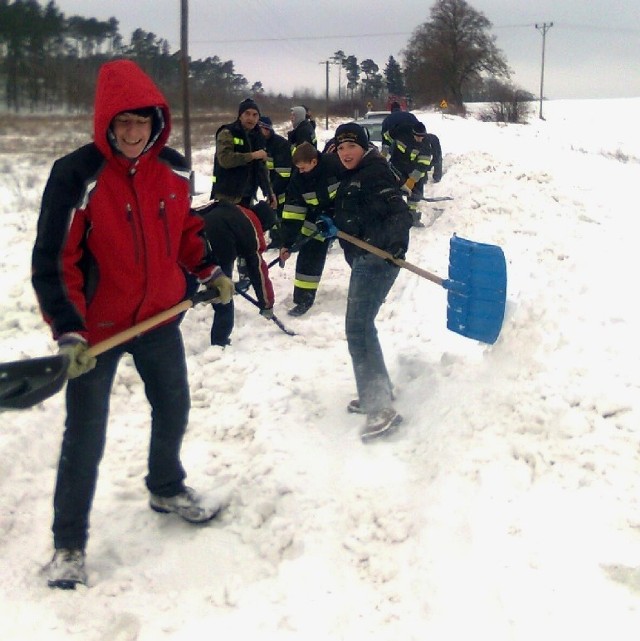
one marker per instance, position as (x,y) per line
(408,33)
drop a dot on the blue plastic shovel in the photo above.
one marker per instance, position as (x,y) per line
(476,287)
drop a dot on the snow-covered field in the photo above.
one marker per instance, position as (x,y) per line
(507,505)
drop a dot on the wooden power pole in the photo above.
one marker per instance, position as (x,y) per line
(184,65)
(544,27)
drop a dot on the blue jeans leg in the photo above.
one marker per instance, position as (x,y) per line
(371,280)
(83,442)
(160,360)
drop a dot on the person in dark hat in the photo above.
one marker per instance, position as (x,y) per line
(369,206)
(410,158)
(239,168)
(279,164)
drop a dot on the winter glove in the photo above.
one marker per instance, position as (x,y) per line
(326,227)
(224,285)
(397,251)
(242,285)
(408,186)
(267,313)
(75,349)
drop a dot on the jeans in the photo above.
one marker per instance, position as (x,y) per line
(160,360)
(371,280)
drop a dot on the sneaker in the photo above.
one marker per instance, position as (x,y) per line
(354,407)
(299,310)
(66,569)
(187,505)
(380,423)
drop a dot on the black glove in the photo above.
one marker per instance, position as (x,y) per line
(396,250)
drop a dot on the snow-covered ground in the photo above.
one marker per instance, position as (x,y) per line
(506,506)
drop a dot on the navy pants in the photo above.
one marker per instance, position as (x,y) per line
(309,266)
(223,315)
(160,360)
(371,280)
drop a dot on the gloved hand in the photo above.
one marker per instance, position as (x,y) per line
(326,227)
(224,285)
(408,186)
(397,251)
(75,349)
(267,313)
(242,285)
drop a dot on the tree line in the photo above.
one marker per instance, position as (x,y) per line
(49,61)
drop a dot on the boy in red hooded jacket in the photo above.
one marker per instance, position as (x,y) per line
(115,239)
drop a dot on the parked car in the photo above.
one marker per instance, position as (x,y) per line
(374,126)
(376,114)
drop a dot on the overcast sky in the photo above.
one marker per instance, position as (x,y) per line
(592,50)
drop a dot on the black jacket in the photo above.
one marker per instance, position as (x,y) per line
(369,205)
(309,195)
(304,132)
(231,232)
(235,175)
(279,164)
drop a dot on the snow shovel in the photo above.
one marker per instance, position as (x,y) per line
(254,302)
(476,287)
(27,382)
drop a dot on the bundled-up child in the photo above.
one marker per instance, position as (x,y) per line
(369,206)
(311,192)
(411,156)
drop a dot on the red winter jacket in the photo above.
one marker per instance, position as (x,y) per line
(116,236)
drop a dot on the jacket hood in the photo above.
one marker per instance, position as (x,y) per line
(123,86)
(299,115)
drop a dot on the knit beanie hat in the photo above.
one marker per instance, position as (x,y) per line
(299,115)
(352,132)
(419,129)
(247,103)
(265,122)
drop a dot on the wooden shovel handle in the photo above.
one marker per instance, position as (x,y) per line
(204,296)
(387,256)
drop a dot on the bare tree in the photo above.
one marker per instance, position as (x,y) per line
(450,51)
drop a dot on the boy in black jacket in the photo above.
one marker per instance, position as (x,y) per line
(369,205)
(232,232)
(410,158)
(310,193)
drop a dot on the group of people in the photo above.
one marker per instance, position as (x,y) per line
(118,242)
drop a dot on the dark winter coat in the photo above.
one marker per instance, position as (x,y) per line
(304,132)
(115,236)
(395,120)
(279,164)
(309,195)
(409,158)
(369,205)
(234,232)
(236,176)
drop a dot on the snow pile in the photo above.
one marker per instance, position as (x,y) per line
(507,503)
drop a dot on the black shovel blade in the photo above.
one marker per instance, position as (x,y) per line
(28,382)
(477,289)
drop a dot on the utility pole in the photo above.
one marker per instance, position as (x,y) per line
(326,97)
(184,65)
(543,28)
